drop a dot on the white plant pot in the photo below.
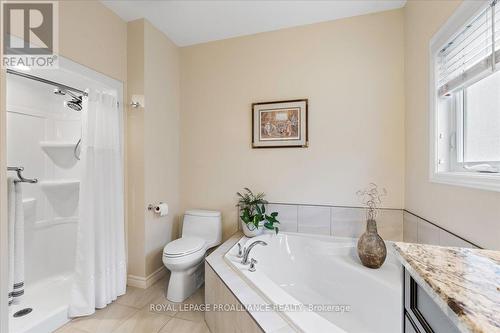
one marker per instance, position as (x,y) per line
(251,231)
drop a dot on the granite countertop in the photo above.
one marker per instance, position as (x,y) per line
(465,283)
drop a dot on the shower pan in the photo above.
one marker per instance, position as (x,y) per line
(44,131)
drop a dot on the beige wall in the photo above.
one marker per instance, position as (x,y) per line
(472,214)
(161,146)
(153,150)
(351,71)
(135,151)
(94,36)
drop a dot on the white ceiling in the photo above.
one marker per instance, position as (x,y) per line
(193,22)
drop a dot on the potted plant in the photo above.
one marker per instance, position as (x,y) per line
(371,247)
(253,213)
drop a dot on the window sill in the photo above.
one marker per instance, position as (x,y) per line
(482,181)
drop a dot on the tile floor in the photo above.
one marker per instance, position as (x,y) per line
(131,313)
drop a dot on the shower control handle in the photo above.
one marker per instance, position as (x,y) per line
(252,265)
(241,250)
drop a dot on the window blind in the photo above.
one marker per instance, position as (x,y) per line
(472,53)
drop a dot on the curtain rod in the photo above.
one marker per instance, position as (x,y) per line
(52,83)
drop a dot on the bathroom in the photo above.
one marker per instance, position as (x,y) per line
(186,79)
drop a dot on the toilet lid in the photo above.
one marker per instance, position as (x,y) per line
(183,246)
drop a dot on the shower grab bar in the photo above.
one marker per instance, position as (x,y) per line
(19,171)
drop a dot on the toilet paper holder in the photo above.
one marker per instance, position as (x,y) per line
(161,209)
(153,207)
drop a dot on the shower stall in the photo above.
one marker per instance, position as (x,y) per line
(45,110)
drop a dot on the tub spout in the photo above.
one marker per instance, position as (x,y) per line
(248,249)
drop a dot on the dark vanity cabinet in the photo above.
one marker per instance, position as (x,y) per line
(421,313)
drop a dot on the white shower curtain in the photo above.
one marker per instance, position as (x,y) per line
(100,269)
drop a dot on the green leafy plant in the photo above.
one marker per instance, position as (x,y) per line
(253,210)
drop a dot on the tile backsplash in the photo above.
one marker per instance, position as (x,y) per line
(336,221)
(314,220)
(392,224)
(418,230)
(287,215)
(347,222)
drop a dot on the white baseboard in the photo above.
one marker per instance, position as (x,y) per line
(148,281)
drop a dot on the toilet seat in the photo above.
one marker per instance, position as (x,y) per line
(183,247)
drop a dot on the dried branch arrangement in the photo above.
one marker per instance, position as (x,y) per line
(371,197)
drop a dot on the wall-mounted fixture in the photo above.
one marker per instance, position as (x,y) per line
(161,208)
(75,103)
(60,89)
(20,178)
(137,101)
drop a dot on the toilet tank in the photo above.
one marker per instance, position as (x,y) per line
(205,224)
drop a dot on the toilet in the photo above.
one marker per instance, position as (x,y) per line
(183,257)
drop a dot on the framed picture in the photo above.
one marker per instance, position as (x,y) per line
(279,124)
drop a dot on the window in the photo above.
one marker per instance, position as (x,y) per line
(481,121)
(465,103)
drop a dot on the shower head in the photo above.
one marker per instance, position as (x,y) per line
(75,104)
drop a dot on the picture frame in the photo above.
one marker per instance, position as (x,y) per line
(280,124)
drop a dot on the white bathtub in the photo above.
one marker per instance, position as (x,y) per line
(297,271)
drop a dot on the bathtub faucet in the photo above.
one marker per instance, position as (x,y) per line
(247,251)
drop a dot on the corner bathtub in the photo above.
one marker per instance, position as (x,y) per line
(318,284)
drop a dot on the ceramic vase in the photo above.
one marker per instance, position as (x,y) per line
(250,230)
(371,247)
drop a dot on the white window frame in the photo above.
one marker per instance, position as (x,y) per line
(484,181)
(459,116)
